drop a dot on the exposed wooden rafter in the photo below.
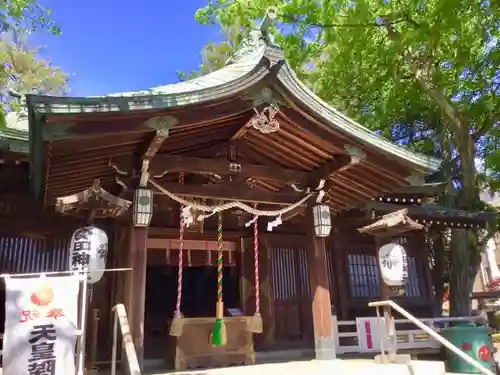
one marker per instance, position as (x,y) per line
(172,164)
(162,124)
(232,192)
(162,164)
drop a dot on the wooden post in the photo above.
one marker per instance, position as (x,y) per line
(390,328)
(137,290)
(324,342)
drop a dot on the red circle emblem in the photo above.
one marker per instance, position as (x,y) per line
(42,297)
(484,353)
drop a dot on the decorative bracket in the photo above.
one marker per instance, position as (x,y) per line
(265,120)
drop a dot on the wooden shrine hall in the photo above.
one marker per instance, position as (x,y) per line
(236,195)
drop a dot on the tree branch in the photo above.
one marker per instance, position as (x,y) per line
(335,25)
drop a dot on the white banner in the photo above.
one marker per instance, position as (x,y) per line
(40,324)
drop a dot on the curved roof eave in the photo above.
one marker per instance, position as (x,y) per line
(339,121)
(221,83)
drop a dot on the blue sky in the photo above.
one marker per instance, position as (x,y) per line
(112,46)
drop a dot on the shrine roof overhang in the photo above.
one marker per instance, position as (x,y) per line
(14,136)
(437,215)
(264,64)
(75,141)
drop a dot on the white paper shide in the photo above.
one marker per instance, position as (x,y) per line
(40,326)
(88,252)
(393,264)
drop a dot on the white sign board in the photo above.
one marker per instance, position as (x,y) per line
(393,264)
(40,326)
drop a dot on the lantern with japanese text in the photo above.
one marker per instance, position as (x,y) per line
(88,252)
(393,264)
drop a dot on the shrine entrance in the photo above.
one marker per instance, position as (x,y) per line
(199,291)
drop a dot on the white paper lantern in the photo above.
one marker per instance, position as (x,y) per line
(393,264)
(322,220)
(88,252)
(143,207)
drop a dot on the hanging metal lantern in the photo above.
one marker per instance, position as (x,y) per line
(143,207)
(322,220)
(88,252)
(393,264)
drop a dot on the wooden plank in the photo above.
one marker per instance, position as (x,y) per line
(155,144)
(168,244)
(173,163)
(233,193)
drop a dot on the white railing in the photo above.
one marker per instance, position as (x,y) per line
(120,318)
(432,333)
(362,334)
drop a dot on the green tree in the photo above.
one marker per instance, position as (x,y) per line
(215,55)
(20,16)
(25,72)
(25,15)
(421,73)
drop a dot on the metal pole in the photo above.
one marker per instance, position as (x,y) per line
(60,272)
(83,325)
(115,342)
(381,335)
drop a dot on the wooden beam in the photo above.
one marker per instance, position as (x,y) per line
(171,163)
(233,193)
(330,168)
(155,144)
(137,287)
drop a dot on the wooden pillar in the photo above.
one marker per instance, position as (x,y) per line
(137,287)
(324,342)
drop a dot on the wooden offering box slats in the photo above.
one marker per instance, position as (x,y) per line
(193,348)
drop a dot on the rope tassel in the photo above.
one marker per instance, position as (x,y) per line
(255,323)
(219,335)
(178,321)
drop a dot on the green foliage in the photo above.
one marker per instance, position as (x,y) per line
(400,67)
(215,55)
(25,72)
(19,16)
(25,15)
(422,73)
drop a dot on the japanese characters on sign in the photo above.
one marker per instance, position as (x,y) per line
(42,360)
(88,252)
(393,264)
(40,326)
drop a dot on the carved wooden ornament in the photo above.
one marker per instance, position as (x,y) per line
(265,121)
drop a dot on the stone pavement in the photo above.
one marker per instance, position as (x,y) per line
(348,366)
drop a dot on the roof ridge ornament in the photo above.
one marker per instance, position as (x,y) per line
(258,36)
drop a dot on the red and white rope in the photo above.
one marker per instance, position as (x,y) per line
(180,256)
(256,263)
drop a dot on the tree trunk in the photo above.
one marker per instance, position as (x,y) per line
(438,272)
(465,261)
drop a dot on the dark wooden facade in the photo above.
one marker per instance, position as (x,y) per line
(206,129)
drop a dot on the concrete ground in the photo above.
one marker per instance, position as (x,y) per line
(313,367)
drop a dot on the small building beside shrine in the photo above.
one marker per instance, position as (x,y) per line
(245,162)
